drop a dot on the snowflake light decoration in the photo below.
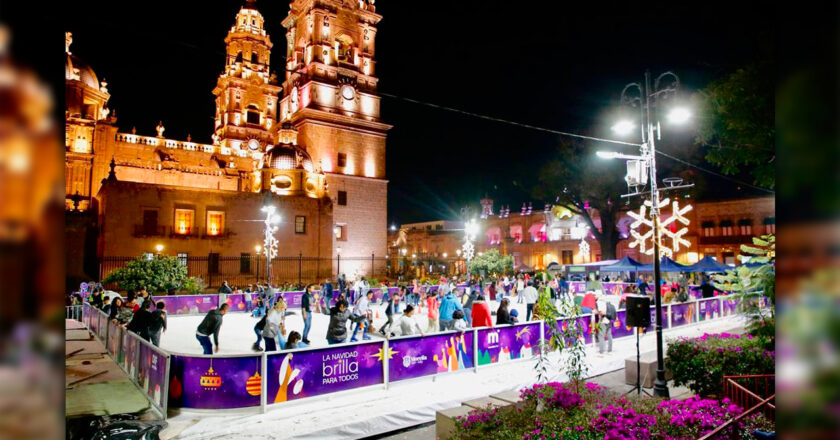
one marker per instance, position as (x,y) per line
(642,218)
(583,246)
(270,242)
(468,250)
(579,232)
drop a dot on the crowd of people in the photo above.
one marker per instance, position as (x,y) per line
(351,304)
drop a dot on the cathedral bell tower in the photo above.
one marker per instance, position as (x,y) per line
(246,94)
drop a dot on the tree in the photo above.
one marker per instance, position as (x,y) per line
(491,263)
(582,182)
(158,274)
(738,122)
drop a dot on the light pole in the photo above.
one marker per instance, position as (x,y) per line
(270,243)
(470,229)
(650,97)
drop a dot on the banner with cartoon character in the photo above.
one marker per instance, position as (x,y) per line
(619,325)
(709,308)
(214,382)
(314,372)
(432,354)
(683,314)
(506,343)
(151,374)
(189,304)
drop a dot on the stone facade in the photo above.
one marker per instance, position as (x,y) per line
(313,154)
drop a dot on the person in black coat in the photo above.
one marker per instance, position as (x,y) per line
(142,321)
(503,314)
(210,325)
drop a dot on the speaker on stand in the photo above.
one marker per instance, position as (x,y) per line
(638,316)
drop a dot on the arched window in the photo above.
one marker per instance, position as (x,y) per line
(494,235)
(516,233)
(238,57)
(345,48)
(253,114)
(537,232)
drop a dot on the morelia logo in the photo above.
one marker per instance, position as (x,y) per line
(411,360)
(493,337)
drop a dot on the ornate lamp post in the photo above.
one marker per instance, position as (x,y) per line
(270,243)
(664,86)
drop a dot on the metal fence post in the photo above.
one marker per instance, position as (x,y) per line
(475,350)
(372,266)
(166,386)
(697,312)
(720,303)
(670,317)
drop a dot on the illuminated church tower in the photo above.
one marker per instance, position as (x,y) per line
(330,98)
(246,94)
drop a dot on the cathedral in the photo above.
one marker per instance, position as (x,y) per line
(310,143)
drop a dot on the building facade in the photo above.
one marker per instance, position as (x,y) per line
(310,143)
(538,237)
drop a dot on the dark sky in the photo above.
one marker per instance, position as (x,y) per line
(559,65)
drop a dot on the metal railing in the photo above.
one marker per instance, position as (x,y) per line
(756,392)
(73,312)
(240,271)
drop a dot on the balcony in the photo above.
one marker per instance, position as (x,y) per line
(189,233)
(218,236)
(149,231)
(725,239)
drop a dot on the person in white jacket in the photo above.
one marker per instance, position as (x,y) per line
(275,326)
(407,324)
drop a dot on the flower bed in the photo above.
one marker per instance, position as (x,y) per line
(700,363)
(590,412)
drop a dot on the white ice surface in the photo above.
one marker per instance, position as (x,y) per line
(361,413)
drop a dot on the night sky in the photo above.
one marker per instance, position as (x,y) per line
(558,65)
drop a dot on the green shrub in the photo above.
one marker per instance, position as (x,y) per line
(700,363)
(194,285)
(157,274)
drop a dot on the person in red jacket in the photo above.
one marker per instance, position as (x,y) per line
(589,303)
(481,313)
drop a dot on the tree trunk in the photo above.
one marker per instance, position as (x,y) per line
(608,240)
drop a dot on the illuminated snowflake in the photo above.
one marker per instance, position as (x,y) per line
(643,219)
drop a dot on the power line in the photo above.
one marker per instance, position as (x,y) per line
(505,121)
(580,136)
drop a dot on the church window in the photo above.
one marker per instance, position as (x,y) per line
(345,48)
(342,198)
(215,222)
(255,58)
(253,114)
(300,224)
(342,160)
(184,221)
(239,57)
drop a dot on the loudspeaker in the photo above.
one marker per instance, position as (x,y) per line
(638,310)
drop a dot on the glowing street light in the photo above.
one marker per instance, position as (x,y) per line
(159,248)
(623,127)
(679,115)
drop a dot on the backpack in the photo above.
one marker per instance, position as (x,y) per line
(611,314)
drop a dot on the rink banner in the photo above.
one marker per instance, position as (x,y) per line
(313,372)
(86,309)
(423,356)
(102,328)
(730,306)
(214,382)
(619,326)
(238,302)
(130,346)
(93,324)
(112,344)
(609,287)
(189,304)
(709,308)
(681,314)
(506,343)
(151,374)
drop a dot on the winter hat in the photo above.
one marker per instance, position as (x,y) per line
(514,313)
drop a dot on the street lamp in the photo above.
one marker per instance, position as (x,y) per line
(270,243)
(650,97)
(159,249)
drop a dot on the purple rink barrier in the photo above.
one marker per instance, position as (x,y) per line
(620,328)
(709,308)
(682,314)
(152,372)
(584,321)
(506,343)
(189,304)
(112,344)
(416,356)
(730,306)
(297,374)
(238,302)
(130,349)
(215,382)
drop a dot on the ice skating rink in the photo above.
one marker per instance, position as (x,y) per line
(237,333)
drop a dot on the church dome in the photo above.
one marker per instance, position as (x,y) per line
(85,73)
(288,157)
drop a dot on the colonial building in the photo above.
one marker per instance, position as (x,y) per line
(311,143)
(539,237)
